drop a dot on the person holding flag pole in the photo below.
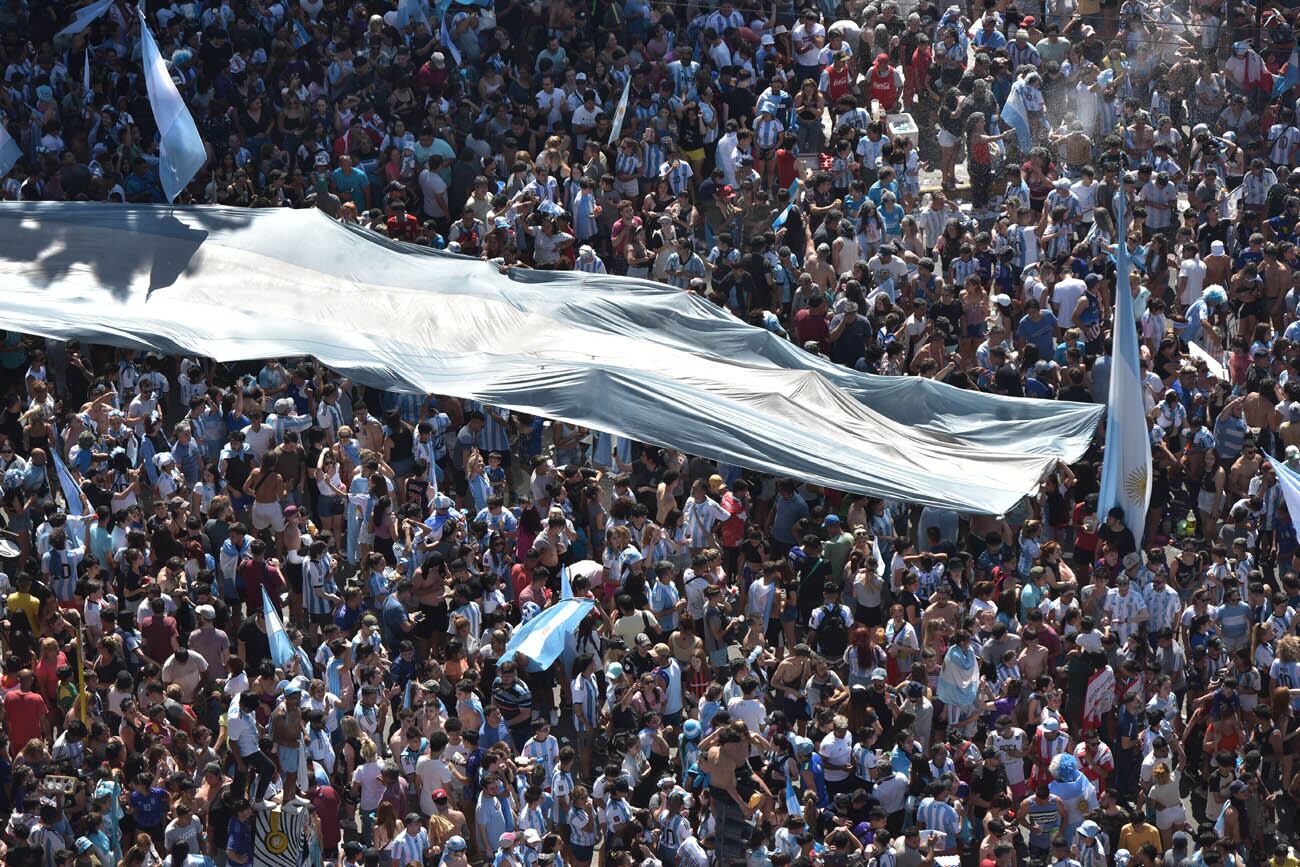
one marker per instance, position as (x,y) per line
(1126,461)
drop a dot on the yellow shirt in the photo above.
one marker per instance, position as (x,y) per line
(26,603)
(1132,837)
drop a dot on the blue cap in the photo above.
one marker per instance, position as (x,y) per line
(831,519)
(456,844)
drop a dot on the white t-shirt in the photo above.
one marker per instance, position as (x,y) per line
(260,441)
(1194,271)
(1066,297)
(838,750)
(434,774)
(371,779)
(431,186)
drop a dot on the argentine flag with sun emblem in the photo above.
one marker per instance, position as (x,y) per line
(1126,465)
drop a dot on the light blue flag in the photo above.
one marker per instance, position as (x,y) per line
(1016,115)
(792,805)
(448,42)
(408,700)
(1290,76)
(180,145)
(10,151)
(789,209)
(620,112)
(85,75)
(71,490)
(84,17)
(541,639)
(409,11)
(282,649)
(1289,481)
(566,586)
(1126,464)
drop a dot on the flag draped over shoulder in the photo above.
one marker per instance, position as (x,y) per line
(1126,465)
(179,144)
(541,640)
(1015,114)
(959,679)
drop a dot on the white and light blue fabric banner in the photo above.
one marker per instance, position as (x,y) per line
(84,17)
(10,151)
(541,640)
(630,357)
(179,143)
(1126,464)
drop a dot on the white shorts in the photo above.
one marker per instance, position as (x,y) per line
(267,515)
(947,139)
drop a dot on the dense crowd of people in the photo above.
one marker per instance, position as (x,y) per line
(773,674)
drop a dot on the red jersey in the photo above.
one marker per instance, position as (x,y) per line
(23,714)
(838,82)
(883,86)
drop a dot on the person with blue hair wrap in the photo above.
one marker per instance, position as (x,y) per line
(1074,789)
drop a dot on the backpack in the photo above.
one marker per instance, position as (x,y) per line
(833,634)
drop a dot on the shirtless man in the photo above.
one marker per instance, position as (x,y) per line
(943,608)
(286,731)
(430,586)
(1277,282)
(1243,470)
(1033,657)
(266,487)
(724,756)
(367,429)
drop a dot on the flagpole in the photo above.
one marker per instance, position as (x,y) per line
(84,713)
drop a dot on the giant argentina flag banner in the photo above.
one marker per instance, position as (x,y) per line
(1015,114)
(1126,466)
(278,836)
(542,639)
(179,144)
(282,649)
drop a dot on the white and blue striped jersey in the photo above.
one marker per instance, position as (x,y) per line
(583,826)
(407,847)
(939,816)
(547,752)
(586,702)
(62,568)
(318,578)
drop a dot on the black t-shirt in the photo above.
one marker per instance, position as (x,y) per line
(1121,540)
(257,646)
(988,782)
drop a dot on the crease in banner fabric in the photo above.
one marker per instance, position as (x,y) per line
(628,357)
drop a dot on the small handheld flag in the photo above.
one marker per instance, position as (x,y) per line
(619,113)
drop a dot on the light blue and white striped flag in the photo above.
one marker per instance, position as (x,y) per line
(180,145)
(448,42)
(1126,464)
(619,113)
(10,151)
(282,649)
(1289,481)
(84,17)
(67,484)
(789,209)
(541,639)
(1016,115)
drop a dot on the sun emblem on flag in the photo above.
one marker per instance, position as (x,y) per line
(1135,485)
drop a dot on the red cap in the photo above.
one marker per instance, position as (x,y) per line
(882,56)
(439,793)
(1028,21)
